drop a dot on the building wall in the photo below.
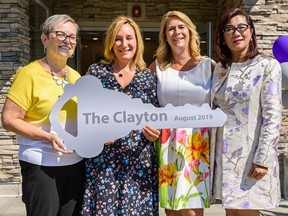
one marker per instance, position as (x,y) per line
(106,10)
(14,51)
(270,16)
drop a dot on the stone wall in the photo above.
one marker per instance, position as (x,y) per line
(14,52)
(270,20)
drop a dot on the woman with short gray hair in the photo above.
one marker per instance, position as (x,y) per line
(52,176)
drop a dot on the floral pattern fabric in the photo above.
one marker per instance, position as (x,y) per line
(184,152)
(250,95)
(122,179)
(184,168)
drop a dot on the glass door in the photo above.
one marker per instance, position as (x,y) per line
(206,35)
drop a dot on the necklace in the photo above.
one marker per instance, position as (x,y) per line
(120,75)
(61,82)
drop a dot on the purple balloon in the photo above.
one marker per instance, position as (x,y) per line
(280,49)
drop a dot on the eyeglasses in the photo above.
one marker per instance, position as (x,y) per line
(241,28)
(62,36)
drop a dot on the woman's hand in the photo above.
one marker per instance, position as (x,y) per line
(257,171)
(13,120)
(109,142)
(151,133)
(58,144)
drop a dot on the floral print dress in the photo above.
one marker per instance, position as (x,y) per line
(184,152)
(122,179)
(250,95)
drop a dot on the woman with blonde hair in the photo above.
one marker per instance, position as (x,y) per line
(122,179)
(184,76)
(164,53)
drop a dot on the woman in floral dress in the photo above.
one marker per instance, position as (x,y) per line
(247,87)
(184,77)
(123,180)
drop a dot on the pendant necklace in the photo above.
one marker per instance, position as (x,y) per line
(60,82)
(120,75)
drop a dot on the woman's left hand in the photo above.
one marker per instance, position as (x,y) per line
(257,171)
(152,134)
(109,142)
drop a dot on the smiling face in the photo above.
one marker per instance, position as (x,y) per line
(177,33)
(125,44)
(61,48)
(237,40)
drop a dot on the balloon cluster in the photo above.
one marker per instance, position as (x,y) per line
(280,52)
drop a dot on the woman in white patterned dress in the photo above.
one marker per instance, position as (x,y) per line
(247,87)
(184,77)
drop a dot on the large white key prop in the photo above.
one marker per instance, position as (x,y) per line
(103,115)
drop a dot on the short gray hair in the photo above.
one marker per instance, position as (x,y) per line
(51,21)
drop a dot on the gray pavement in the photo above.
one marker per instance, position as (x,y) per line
(13,206)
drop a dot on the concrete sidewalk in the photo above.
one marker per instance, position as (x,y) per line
(13,206)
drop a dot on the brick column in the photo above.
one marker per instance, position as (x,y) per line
(14,52)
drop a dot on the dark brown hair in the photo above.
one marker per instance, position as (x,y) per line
(223,53)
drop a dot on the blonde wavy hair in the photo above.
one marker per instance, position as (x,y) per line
(164,54)
(110,38)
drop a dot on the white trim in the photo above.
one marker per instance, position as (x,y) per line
(10,189)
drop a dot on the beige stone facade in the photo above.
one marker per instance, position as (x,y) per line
(19,41)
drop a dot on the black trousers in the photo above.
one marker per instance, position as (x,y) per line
(52,191)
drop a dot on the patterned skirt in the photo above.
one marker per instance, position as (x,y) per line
(122,180)
(184,168)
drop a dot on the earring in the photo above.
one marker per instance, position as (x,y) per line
(224,43)
(45,50)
